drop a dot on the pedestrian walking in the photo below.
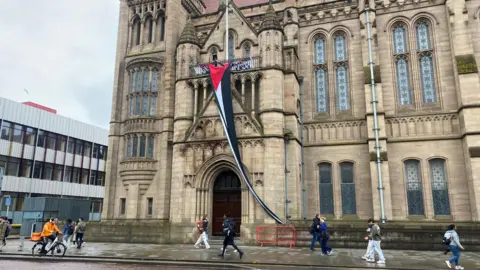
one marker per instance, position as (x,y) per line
(376,237)
(79,231)
(370,243)
(68,230)
(4,231)
(324,236)
(204,233)
(315,231)
(229,231)
(453,241)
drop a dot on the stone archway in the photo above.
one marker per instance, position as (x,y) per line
(205,179)
(227,198)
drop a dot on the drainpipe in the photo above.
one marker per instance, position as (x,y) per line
(375,117)
(287,140)
(304,197)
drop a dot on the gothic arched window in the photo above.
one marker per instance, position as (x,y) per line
(425,57)
(347,175)
(341,72)
(134,146)
(400,51)
(151,141)
(142,96)
(320,67)
(136,31)
(413,182)
(149,24)
(231,46)
(129,148)
(325,188)
(438,179)
(162,28)
(246,50)
(143,141)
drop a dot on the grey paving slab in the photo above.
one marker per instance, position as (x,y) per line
(255,255)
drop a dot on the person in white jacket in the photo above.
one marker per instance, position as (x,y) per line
(370,243)
(204,235)
(453,241)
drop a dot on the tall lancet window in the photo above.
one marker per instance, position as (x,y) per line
(400,51)
(425,56)
(231,46)
(341,72)
(320,67)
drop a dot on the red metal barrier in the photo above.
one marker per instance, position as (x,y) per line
(276,235)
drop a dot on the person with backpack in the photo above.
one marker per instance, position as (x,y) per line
(315,231)
(324,236)
(376,237)
(370,243)
(79,231)
(203,228)
(68,231)
(451,239)
(4,231)
(229,232)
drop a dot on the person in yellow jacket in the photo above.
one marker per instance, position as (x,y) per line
(48,232)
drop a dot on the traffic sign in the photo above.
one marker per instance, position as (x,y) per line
(8,201)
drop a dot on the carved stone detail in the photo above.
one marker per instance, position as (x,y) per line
(446,124)
(211,127)
(335,131)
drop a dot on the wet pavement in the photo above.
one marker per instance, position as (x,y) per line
(255,257)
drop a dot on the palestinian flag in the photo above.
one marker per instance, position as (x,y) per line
(220,76)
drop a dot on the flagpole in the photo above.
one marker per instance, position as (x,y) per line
(226,29)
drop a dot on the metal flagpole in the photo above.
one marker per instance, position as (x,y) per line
(226,29)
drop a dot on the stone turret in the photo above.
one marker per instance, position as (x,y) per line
(271,39)
(188,50)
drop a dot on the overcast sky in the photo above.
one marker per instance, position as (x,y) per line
(63,53)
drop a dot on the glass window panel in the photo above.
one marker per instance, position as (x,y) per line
(340,49)
(150,30)
(137,35)
(231,47)
(150,146)
(149,206)
(51,141)
(342,89)
(246,50)
(139,81)
(438,179)
(61,143)
(414,188)
(93,177)
(145,105)
(85,176)
(37,170)
(321,87)
(57,173)
(76,175)
(71,145)
(326,188)
(131,109)
(142,145)
(79,147)
(26,168)
(17,133)
(400,40)
(154,81)
(146,80)
(42,137)
(129,148)
(100,177)
(137,105)
(428,80)
(403,82)
(30,136)
(319,51)
(13,166)
(6,130)
(68,174)
(349,206)
(133,78)
(153,105)
(87,149)
(103,152)
(95,151)
(123,202)
(135,145)
(423,37)
(48,171)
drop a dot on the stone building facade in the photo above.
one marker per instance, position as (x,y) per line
(169,162)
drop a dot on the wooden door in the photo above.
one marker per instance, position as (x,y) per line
(227,198)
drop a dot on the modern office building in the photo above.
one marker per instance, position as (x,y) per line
(49,155)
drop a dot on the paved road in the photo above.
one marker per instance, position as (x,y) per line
(255,256)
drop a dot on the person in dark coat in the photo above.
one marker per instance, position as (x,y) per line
(315,231)
(229,232)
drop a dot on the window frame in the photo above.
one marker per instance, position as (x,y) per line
(420,190)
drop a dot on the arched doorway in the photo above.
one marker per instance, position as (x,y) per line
(227,198)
